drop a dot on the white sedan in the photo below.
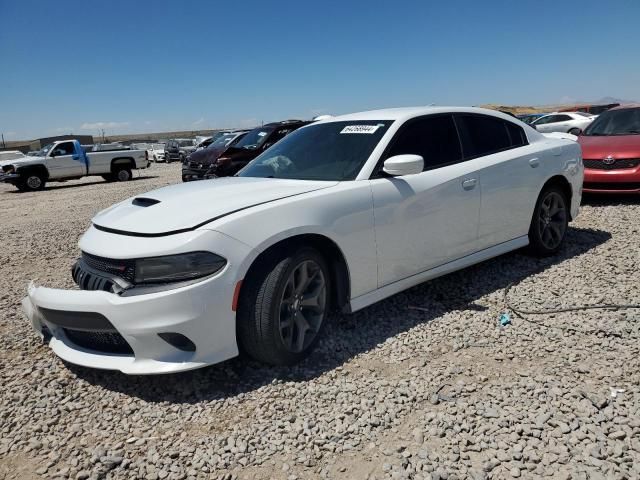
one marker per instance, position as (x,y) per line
(566,122)
(340,214)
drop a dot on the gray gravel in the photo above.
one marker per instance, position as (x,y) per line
(392,392)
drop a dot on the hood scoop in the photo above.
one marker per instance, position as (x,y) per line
(144,202)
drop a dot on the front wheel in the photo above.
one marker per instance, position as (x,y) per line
(549,223)
(283,308)
(31,183)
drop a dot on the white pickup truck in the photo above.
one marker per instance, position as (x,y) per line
(67,160)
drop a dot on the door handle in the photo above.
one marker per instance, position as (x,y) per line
(469,184)
(534,162)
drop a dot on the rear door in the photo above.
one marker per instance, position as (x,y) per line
(509,175)
(64,162)
(429,219)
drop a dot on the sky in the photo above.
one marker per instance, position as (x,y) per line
(149,66)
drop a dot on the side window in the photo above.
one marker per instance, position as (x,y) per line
(517,135)
(543,120)
(563,118)
(483,135)
(435,138)
(65,148)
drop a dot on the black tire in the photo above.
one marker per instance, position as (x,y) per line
(549,223)
(261,329)
(108,177)
(32,182)
(574,131)
(122,174)
(182,158)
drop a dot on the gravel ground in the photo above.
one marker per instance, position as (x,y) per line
(442,392)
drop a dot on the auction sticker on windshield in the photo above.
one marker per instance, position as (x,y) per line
(360,129)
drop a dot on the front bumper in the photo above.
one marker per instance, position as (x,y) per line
(202,312)
(9,177)
(191,173)
(624,180)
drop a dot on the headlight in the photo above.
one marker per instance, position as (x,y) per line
(175,268)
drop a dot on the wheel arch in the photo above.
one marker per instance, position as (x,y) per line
(328,248)
(564,184)
(122,161)
(27,169)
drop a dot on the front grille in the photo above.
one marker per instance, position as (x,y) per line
(611,186)
(125,269)
(105,342)
(618,164)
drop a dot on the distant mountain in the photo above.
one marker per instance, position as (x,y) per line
(607,100)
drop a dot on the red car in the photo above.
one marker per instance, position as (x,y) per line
(611,151)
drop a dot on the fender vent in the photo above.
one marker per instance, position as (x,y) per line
(144,202)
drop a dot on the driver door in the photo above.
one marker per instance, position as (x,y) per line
(425,220)
(63,162)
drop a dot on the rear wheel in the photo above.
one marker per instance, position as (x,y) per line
(123,174)
(284,307)
(549,223)
(575,131)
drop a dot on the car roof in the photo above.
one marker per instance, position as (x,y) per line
(628,105)
(405,113)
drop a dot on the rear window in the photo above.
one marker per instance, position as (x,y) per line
(483,135)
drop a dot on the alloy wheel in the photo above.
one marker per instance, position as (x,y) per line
(302,307)
(123,175)
(34,182)
(552,220)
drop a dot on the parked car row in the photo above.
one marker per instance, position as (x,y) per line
(234,150)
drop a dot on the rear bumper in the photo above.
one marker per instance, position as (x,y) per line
(624,180)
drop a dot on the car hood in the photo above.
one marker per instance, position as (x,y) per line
(21,161)
(186,206)
(618,146)
(207,155)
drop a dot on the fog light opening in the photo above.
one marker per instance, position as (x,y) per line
(178,341)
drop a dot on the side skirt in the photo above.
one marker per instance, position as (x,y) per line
(367,299)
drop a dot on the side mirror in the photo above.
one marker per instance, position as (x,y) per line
(400,165)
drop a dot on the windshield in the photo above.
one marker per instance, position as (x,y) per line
(255,138)
(327,151)
(158,146)
(616,122)
(584,114)
(223,140)
(43,151)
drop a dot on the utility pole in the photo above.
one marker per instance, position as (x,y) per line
(4,145)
